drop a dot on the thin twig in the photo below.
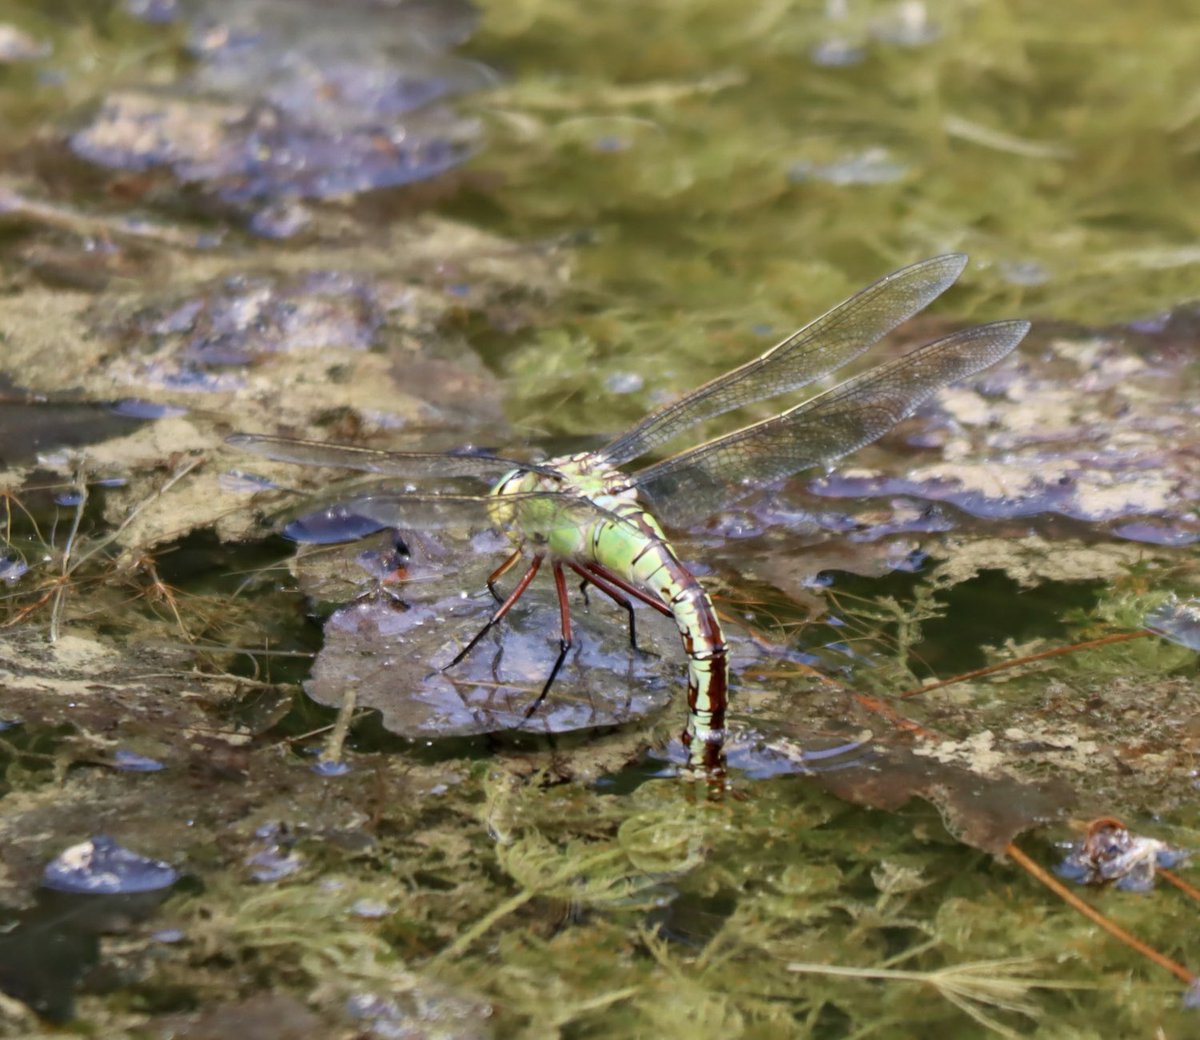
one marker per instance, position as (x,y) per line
(56,606)
(1119,637)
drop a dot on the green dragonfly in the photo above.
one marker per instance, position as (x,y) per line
(582,512)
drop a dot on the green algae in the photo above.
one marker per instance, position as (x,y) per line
(1063,140)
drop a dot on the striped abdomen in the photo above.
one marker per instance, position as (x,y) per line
(649,563)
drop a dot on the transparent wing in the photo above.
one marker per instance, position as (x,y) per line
(415,510)
(369,460)
(426,512)
(833,340)
(835,423)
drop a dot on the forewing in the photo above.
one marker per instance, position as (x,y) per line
(826,344)
(405,464)
(854,413)
(419,512)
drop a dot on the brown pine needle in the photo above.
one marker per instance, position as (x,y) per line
(1092,914)
(1172,878)
(1119,637)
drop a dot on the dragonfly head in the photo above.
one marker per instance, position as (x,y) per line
(510,509)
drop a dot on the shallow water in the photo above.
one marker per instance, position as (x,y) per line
(419,227)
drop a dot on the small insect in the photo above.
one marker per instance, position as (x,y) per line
(584,513)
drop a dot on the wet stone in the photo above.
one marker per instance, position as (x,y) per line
(205,342)
(293,111)
(398,660)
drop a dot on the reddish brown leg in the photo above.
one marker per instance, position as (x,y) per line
(611,592)
(564,644)
(499,573)
(504,607)
(604,574)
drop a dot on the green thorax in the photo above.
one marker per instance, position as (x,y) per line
(587,511)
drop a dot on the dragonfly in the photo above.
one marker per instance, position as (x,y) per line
(587,514)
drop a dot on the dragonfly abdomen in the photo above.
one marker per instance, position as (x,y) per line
(703,642)
(637,551)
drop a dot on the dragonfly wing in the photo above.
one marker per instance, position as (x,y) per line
(413,512)
(832,340)
(830,425)
(368,460)
(419,512)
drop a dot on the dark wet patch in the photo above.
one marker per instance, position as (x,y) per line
(48,948)
(33,423)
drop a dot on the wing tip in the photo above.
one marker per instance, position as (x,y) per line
(954,264)
(1010,332)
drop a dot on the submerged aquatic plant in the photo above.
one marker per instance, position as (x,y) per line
(974,987)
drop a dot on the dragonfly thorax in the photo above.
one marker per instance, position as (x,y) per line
(552,509)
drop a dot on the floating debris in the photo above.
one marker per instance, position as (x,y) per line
(372,909)
(16,45)
(384,564)
(132,762)
(1023,272)
(155,12)
(169,935)
(1153,533)
(135,408)
(624,382)
(12,568)
(871,166)
(1178,622)
(909,25)
(328,767)
(273,861)
(1110,853)
(428,1011)
(837,52)
(102,867)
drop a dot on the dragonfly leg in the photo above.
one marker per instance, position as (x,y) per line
(499,573)
(564,644)
(604,574)
(612,593)
(501,610)
(583,585)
